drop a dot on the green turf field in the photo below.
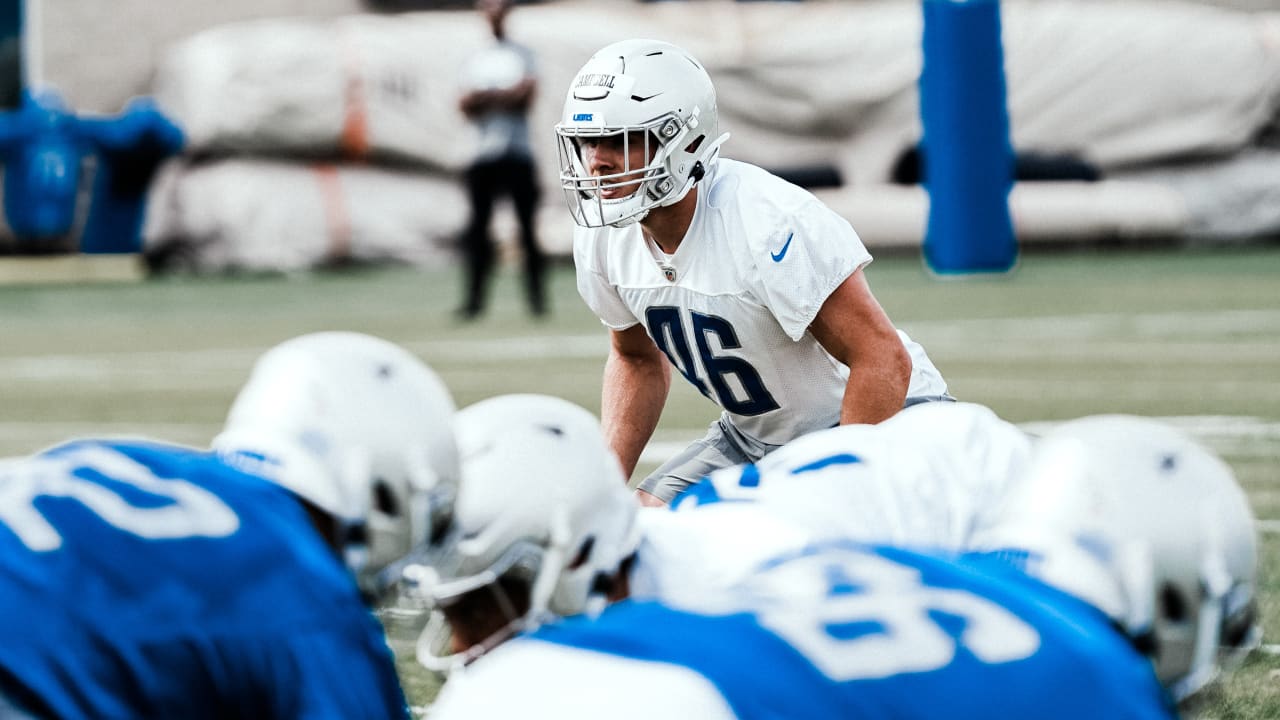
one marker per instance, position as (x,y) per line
(1189,335)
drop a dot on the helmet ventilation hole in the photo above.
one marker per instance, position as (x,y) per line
(584,552)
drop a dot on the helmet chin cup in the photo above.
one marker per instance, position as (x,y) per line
(631,219)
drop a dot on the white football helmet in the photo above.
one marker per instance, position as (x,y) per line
(359,428)
(647,87)
(542,501)
(1166,517)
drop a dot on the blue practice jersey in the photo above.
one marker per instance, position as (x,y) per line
(143,580)
(838,631)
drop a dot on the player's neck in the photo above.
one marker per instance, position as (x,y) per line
(666,226)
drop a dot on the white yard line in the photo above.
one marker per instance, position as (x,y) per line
(1074,327)
(1270,527)
(1124,329)
(88,367)
(504,349)
(1127,351)
(1229,426)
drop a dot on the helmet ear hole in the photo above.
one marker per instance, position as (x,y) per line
(384,500)
(1172,605)
(1237,628)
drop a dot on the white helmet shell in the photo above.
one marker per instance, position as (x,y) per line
(356,426)
(1166,516)
(541,492)
(642,91)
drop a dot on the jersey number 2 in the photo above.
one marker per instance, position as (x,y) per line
(666,327)
(187,511)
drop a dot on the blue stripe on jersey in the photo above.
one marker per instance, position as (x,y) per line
(840,459)
(750,477)
(702,492)
(1081,668)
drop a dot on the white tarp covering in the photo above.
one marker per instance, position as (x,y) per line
(1117,82)
(364,85)
(257,215)
(1121,85)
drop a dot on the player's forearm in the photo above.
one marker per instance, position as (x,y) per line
(632,399)
(515,99)
(876,390)
(519,97)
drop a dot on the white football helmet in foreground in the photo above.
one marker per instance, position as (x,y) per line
(1164,517)
(358,428)
(543,515)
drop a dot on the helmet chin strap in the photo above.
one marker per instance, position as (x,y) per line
(631,219)
(1215,583)
(553,562)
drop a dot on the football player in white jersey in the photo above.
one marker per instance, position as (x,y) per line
(747,284)
(566,538)
(1164,519)
(544,522)
(143,579)
(1127,513)
(795,636)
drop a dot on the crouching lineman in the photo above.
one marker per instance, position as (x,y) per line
(832,629)
(146,580)
(1126,513)
(1151,527)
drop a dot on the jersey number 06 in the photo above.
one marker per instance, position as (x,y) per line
(666,327)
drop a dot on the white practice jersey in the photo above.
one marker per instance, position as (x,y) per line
(684,556)
(523,679)
(931,476)
(732,307)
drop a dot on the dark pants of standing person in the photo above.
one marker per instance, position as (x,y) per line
(486,182)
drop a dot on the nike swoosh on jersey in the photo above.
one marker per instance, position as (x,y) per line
(777,257)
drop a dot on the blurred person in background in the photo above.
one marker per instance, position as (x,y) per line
(499,85)
(544,530)
(746,284)
(148,580)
